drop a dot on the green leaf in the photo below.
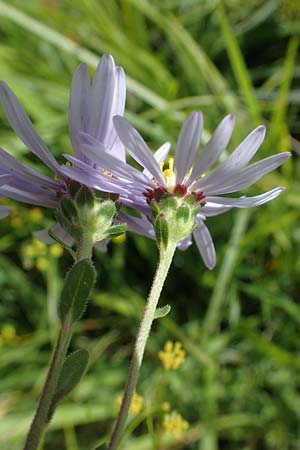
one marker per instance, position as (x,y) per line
(77,288)
(162,312)
(71,373)
(183,213)
(161,229)
(85,198)
(239,67)
(116,230)
(68,209)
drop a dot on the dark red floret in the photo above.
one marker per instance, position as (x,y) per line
(180,190)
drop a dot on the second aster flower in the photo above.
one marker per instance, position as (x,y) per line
(187,179)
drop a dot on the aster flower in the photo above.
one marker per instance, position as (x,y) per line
(186,176)
(92,107)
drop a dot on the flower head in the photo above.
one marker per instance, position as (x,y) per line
(172,356)
(92,107)
(174,424)
(183,188)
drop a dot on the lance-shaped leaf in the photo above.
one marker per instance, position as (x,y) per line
(77,288)
(71,373)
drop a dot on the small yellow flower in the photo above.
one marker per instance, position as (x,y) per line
(135,405)
(172,356)
(8,333)
(42,264)
(39,254)
(56,250)
(40,246)
(16,222)
(174,424)
(119,239)
(29,251)
(165,406)
(36,215)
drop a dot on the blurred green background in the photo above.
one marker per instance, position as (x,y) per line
(239,386)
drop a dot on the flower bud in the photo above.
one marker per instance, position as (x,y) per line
(173,218)
(81,211)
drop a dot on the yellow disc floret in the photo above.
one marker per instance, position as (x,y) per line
(169,174)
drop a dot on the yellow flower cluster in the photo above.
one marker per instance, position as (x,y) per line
(8,333)
(173,355)
(135,405)
(174,424)
(39,255)
(35,215)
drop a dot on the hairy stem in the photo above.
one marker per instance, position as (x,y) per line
(140,343)
(43,413)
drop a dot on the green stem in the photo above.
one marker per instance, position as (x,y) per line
(85,247)
(140,343)
(41,415)
(43,412)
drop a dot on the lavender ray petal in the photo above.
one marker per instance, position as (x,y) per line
(137,148)
(102,245)
(245,151)
(160,155)
(205,245)
(62,235)
(23,127)
(18,182)
(101,99)
(185,244)
(187,145)
(99,155)
(78,103)
(118,150)
(234,181)
(248,202)
(214,148)
(140,225)
(112,140)
(48,199)
(43,236)
(96,182)
(136,202)
(4,179)
(10,164)
(212,209)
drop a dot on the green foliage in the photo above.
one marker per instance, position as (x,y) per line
(71,373)
(239,325)
(76,291)
(162,312)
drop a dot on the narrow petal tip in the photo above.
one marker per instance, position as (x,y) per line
(229,120)
(4,88)
(107,59)
(260,129)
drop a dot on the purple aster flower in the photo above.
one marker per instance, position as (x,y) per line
(91,110)
(186,175)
